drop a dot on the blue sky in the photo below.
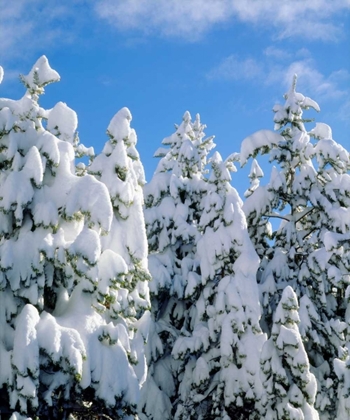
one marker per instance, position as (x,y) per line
(228,60)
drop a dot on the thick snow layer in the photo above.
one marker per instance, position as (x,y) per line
(87,245)
(104,344)
(111,267)
(52,256)
(7,119)
(262,140)
(155,403)
(321,131)
(90,197)
(201,371)
(259,202)
(119,127)
(285,364)
(26,353)
(25,359)
(62,122)
(255,170)
(330,151)
(41,74)
(48,146)
(17,416)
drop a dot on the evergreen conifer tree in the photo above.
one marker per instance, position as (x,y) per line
(222,340)
(172,215)
(307,194)
(289,385)
(61,351)
(342,370)
(204,357)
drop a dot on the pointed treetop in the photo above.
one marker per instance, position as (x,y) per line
(289,298)
(187,116)
(287,310)
(197,125)
(119,127)
(40,75)
(292,90)
(294,83)
(216,158)
(255,170)
(292,110)
(220,169)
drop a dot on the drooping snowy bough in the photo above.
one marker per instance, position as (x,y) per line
(70,294)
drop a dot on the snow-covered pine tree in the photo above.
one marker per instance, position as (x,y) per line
(339,244)
(60,350)
(342,368)
(221,340)
(307,193)
(290,387)
(123,286)
(172,214)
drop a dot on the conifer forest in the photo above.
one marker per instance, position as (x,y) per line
(176,298)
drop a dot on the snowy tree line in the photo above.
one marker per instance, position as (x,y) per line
(173,299)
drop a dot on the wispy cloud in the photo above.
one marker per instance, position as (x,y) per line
(191,19)
(278,67)
(234,68)
(329,86)
(344,112)
(277,53)
(33,25)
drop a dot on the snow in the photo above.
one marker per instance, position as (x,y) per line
(48,146)
(255,171)
(328,150)
(285,360)
(262,140)
(62,122)
(86,291)
(16,192)
(201,371)
(119,127)
(17,416)
(33,166)
(225,330)
(90,197)
(87,245)
(6,120)
(111,267)
(321,131)
(1,74)
(25,359)
(26,354)
(40,75)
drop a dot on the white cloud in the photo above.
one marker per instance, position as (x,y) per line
(277,53)
(190,19)
(344,112)
(270,71)
(33,25)
(310,78)
(282,55)
(37,25)
(233,68)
